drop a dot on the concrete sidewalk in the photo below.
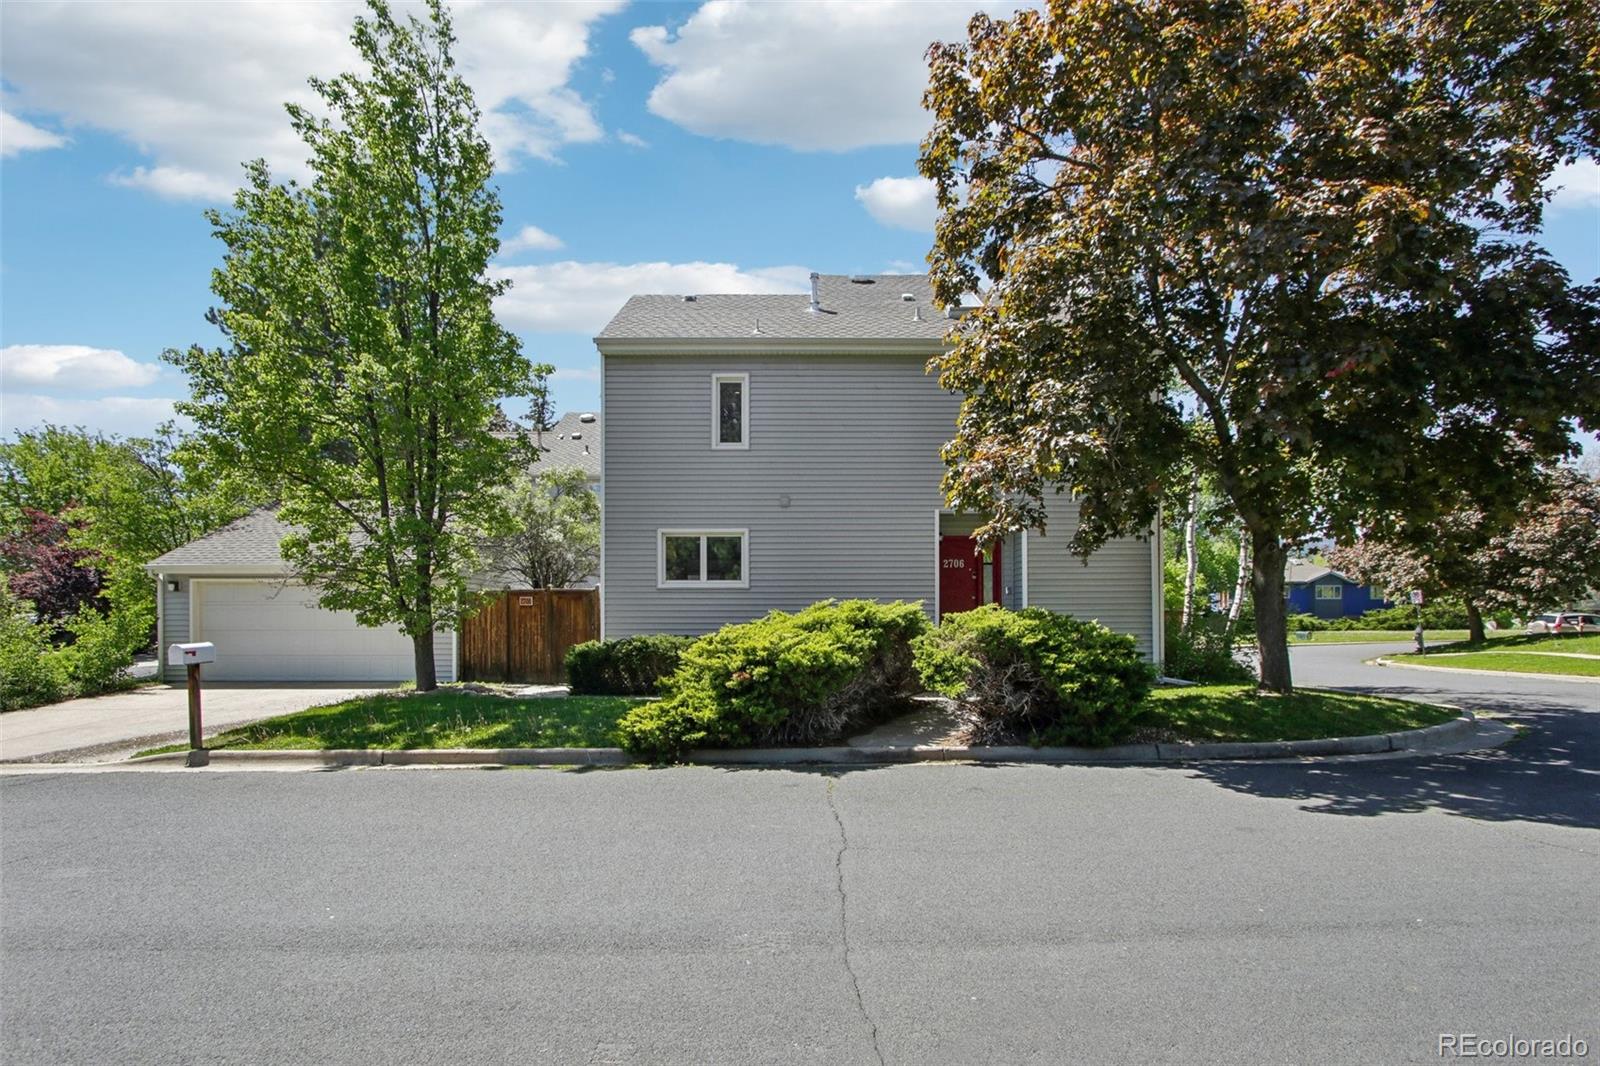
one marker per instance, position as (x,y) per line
(121,723)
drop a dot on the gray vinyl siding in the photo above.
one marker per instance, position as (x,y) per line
(174,626)
(852,442)
(175,630)
(1112,587)
(1013,571)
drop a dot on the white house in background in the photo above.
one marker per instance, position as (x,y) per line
(231,587)
(769,451)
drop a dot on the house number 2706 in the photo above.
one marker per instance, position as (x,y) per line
(955,564)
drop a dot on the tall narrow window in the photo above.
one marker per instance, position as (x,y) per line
(730,400)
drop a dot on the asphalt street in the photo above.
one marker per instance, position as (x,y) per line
(1322,912)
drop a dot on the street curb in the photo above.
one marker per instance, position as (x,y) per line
(1125,754)
(1576,678)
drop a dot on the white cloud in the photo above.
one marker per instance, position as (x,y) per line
(829,75)
(531,238)
(128,416)
(17,136)
(1576,186)
(571,297)
(73,368)
(176,183)
(906,203)
(200,88)
(632,140)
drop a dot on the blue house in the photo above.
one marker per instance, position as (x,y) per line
(1325,593)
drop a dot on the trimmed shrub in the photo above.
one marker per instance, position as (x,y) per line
(631,666)
(1033,676)
(1203,654)
(803,678)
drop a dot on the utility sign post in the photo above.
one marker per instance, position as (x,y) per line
(1416,601)
(192,656)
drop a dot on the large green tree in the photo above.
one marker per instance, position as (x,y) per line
(132,498)
(364,361)
(1315,222)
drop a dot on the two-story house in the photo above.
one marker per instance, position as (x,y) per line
(768,451)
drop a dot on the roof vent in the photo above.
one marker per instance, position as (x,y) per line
(908,297)
(862,279)
(755,331)
(577,436)
(586,418)
(690,299)
(816,294)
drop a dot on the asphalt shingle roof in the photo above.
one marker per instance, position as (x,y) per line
(853,307)
(248,542)
(1300,571)
(571,443)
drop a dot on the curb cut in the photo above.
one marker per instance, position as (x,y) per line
(1411,740)
(1562,678)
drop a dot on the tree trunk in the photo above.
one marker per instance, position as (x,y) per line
(1241,584)
(1191,552)
(1475,634)
(422,655)
(1266,589)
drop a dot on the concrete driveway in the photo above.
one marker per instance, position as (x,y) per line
(116,725)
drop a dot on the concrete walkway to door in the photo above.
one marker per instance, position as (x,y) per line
(933,723)
(116,725)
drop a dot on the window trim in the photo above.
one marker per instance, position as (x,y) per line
(717,444)
(1333,591)
(702,582)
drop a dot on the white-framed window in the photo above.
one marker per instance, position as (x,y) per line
(1330,592)
(730,410)
(702,558)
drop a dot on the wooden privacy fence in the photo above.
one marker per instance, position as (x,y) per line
(524,634)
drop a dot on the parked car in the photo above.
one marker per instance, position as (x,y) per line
(1564,622)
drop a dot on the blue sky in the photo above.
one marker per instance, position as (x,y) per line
(729,146)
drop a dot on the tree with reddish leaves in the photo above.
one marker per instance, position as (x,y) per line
(44,567)
(1545,558)
(1316,225)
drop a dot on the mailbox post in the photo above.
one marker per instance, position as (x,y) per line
(191,656)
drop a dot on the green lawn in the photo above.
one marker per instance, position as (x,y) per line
(1521,661)
(1589,644)
(1240,713)
(445,718)
(1373,636)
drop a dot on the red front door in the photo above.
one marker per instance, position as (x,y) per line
(960,575)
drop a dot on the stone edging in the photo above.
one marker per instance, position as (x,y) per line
(1379,743)
(1576,678)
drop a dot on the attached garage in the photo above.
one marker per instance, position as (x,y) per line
(231,588)
(274,631)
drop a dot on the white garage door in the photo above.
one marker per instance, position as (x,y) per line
(269,631)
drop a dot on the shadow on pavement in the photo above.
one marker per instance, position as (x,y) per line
(1550,773)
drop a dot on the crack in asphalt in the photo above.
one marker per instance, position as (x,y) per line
(844,925)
